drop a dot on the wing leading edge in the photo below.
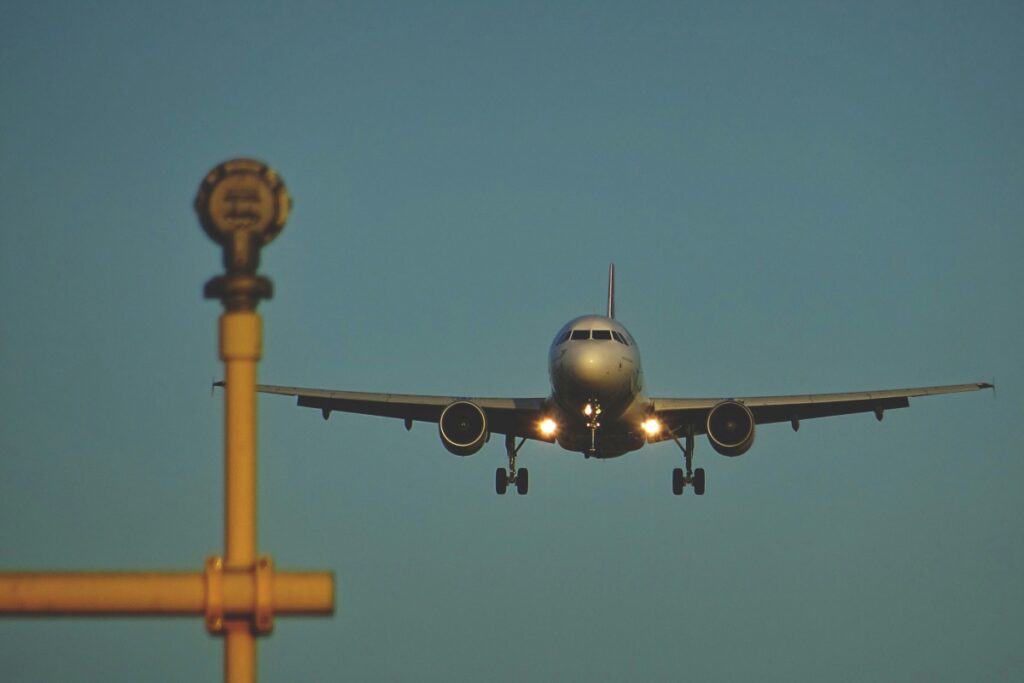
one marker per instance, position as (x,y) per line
(519,416)
(516,416)
(675,413)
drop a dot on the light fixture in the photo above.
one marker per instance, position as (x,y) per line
(651,426)
(548,426)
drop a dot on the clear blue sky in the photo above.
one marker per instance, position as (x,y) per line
(799,197)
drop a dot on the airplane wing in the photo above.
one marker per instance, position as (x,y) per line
(515,416)
(675,413)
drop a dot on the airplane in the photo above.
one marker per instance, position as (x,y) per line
(598,407)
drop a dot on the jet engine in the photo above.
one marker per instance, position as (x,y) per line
(730,428)
(463,427)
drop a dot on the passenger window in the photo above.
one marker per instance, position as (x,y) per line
(565,337)
(580,334)
(603,334)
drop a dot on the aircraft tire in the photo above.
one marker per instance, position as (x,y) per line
(523,481)
(698,481)
(500,481)
(677,481)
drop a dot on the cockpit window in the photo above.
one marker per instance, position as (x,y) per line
(603,334)
(580,334)
(619,338)
(564,338)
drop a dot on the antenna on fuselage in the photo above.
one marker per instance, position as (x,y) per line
(611,290)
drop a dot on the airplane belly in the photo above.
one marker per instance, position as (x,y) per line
(610,444)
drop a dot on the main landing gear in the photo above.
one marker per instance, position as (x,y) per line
(520,477)
(693,477)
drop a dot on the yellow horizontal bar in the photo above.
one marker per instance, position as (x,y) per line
(142,593)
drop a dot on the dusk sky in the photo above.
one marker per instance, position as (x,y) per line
(798,197)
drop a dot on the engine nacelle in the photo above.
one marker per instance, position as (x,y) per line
(463,427)
(730,428)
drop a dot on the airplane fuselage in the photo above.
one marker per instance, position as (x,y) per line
(594,361)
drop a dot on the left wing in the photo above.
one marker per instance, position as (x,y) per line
(515,416)
(675,413)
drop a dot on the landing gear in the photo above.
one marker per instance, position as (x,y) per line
(523,481)
(592,411)
(503,477)
(698,481)
(678,481)
(693,477)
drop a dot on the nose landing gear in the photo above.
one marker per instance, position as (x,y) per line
(520,477)
(693,477)
(592,410)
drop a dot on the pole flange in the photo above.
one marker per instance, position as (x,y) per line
(259,579)
(263,609)
(214,595)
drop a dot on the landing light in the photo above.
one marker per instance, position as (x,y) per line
(548,426)
(588,410)
(651,426)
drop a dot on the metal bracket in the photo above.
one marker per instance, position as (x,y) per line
(261,618)
(214,594)
(263,615)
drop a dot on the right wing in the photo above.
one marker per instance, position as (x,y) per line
(678,412)
(515,416)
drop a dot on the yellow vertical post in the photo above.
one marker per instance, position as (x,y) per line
(240,348)
(242,205)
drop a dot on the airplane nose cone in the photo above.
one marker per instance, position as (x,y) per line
(588,370)
(588,367)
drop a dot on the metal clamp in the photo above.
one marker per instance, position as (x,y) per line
(214,594)
(263,609)
(261,616)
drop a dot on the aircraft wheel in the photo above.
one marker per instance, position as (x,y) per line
(698,481)
(500,481)
(523,481)
(677,481)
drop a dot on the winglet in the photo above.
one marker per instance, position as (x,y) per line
(611,290)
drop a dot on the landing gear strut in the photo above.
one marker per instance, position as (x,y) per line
(592,410)
(693,477)
(520,477)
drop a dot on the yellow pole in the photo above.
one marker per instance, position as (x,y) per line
(152,593)
(240,347)
(242,205)
(102,593)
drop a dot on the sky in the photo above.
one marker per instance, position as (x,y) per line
(798,197)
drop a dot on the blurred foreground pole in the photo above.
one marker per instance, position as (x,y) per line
(240,350)
(242,205)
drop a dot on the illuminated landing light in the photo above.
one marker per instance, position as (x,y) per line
(588,410)
(548,426)
(651,427)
